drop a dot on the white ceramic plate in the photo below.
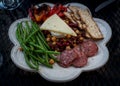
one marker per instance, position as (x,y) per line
(57,73)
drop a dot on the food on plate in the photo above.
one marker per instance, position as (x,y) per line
(58,9)
(63,43)
(72,57)
(56,24)
(81,60)
(89,48)
(41,13)
(34,46)
(67,14)
(62,34)
(74,16)
(66,58)
(78,56)
(92,28)
(85,21)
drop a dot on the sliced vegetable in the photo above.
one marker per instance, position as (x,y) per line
(44,11)
(58,9)
(39,14)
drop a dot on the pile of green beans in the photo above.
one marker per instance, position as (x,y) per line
(34,46)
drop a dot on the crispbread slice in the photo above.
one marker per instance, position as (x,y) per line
(92,27)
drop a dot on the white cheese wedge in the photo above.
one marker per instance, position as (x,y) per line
(56,24)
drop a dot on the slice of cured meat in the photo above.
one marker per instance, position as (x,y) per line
(66,58)
(82,58)
(81,61)
(89,47)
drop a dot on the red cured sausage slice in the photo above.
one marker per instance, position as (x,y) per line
(82,58)
(81,61)
(66,58)
(89,47)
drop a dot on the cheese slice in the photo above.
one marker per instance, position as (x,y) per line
(56,24)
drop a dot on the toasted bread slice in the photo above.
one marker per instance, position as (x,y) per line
(74,9)
(87,35)
(92,28)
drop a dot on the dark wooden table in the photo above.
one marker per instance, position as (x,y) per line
(108,75)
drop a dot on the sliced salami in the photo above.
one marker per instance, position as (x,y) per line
(82,58)
(66,58)
(89,47)
(81,61)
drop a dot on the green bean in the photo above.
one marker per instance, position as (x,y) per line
(39,51)
(27,26)
(31,35)
(24,34)
(46,58)
(53,57)
(41,44)
(35,62)
(39,30)
(18,32)
(24,47)
(48,52)
(29,63)
(45,44)
(30,47)
(40,34)
(36,45)
(52,52)
(41,61)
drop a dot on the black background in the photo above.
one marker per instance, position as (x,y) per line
(108,75)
